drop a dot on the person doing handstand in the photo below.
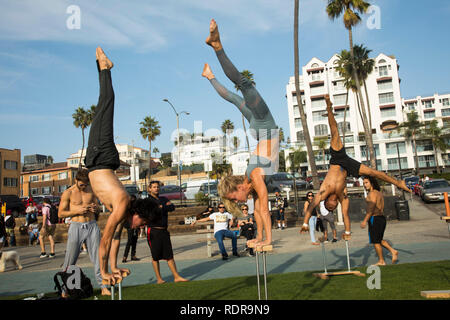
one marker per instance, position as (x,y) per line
(101,160)
(333,188)
(264,160)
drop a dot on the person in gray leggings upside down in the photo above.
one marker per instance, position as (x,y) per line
(264,160)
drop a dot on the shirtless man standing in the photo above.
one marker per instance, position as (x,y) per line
(376,220)
(102,159)
(79,203)
(333,188)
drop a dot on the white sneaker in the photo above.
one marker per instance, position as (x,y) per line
(43,255)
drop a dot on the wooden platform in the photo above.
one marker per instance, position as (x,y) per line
(445,218)
(265,248)
(436,294)
(340,273)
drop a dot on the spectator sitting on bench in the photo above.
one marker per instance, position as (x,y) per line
(222,222)
(205,214)
(247,227)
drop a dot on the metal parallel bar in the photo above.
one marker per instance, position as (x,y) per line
(265,273)
(257,274)
(348,255)
(112,292)
(120,290)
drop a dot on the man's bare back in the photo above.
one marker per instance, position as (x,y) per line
(334,182)
(375,203)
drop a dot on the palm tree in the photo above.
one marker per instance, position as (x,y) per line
(81,120)
(321,143)
(350,10)
(309,148)
(155,151)
(435,133)
(149,131)
(249,75)
(227,128)
(411,129)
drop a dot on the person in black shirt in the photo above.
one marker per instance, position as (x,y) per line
(158,237)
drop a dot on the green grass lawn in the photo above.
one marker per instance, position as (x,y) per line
(403,281)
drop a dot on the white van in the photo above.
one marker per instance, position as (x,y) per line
(191,188)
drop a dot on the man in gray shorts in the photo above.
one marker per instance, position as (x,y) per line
(327,216)
(80,204)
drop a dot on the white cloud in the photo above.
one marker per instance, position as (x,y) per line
(146,25)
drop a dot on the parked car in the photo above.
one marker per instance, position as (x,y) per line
(191,188)
(411,182)
(433,190)
(13,203)
(278,181)
(132,190)
(172,192)
(419,187)
(212,188)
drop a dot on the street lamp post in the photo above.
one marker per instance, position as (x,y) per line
(178,143)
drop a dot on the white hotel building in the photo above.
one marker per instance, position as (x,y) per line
(386,106)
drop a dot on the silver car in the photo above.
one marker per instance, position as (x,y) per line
(433,190)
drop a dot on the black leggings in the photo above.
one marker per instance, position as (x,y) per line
(101,151)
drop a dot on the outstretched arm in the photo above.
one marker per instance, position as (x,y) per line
(257,177)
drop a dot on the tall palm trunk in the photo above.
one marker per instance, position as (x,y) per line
(345,117)
(368,104)
(150,163)
(246,136)
(416,158)
(82,149)
(367,130)
(309,149)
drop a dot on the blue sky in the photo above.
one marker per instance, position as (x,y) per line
(48,70)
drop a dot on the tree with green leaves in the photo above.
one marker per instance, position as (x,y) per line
(411,129)
(309,147)
(81,120)
(321,143)
(350,10)
(227,128)
(296,158)
(432,131)
(150,129)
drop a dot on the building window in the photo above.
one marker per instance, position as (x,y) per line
(34,178)
(367,163)
(350,152)
(317,90)
(426,161)
(34,191)
(393,163)
(46,177)
(300,136)
(445,112)
(321,130)
(385,85)
(296,112)
(62,175)
(10,182)
(315,104)
(383,71)
(338,85)
(388,112)
(445,102)
(411,105)
(46,190)
(386,98)
(317,115)
(341,127)
(391,148)
(340,113)
(298,123)
(10,165)
(364,148)
(429,115)
(62,188)
(316,76)
(349,139)
(427,104)
(339,99)
(424,145)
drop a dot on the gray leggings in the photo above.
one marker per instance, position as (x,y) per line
(330,219)
(253,107)
(79,233)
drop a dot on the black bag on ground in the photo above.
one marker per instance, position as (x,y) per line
(84,291)
(53,215)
